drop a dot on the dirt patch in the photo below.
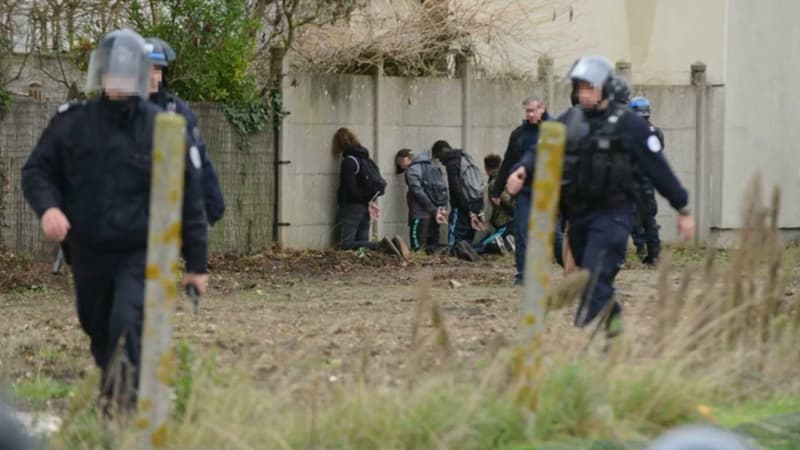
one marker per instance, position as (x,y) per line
(288,314)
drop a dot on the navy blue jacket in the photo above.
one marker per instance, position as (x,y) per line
(93,162)
(529,140)
(523,139)
(644,143)
(214,200)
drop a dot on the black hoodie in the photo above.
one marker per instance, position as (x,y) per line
(350,190)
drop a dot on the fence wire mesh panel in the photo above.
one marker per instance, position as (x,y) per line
(245,169)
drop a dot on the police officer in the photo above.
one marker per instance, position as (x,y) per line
(645,233)
(606,145)
(162,55)
(88,179)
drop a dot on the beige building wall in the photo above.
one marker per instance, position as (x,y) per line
(661,38)
(762,105)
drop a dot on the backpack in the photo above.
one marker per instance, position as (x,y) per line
(434,185)
(369,176)
(472,183)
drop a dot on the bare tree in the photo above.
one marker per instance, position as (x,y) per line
(413,37)
(10,35)
(58,31)
(284,20)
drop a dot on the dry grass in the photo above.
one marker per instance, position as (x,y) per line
(726,334)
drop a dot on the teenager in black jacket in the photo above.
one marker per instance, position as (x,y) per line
(357,206)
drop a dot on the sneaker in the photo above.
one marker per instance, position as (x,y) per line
(465,251)
(501,245)
(511,243)
(389,246)
(401,245)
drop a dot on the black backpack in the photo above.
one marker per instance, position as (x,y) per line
(369,176)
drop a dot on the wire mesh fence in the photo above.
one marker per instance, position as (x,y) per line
(246,174)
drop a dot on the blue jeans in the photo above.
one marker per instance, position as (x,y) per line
(598,241)
(522,211)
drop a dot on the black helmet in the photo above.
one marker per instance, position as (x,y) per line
(594,70)
(120,64)
(161,54)
(620,90)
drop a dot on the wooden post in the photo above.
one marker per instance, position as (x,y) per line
(539,256)
(161,274)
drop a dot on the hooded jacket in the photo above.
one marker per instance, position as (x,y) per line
(427,188)
(350,191)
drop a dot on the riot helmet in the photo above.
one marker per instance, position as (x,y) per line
(641,105)
(161,54)
(594,70)
(620,90)
(119,65)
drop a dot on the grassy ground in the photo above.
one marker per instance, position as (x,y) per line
(347,351)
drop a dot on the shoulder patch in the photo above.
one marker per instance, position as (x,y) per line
(194,156)
(654,143)
(64,107)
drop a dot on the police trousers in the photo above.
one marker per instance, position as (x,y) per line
(598,241)
(645,230)
(110,302)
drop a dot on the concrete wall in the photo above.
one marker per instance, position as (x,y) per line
(761,105)
(413,113)
(387,113)
(318,106)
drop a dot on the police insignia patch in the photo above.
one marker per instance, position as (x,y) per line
(194,156)
(653,143)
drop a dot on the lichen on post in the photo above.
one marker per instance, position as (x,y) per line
(538,259)
(161,273)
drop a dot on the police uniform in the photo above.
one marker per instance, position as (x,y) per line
(93,162)
(606,151)
(161,55)
(645,231)
(214,200)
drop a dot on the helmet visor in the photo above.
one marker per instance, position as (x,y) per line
(120,66)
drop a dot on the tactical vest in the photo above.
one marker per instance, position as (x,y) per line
(599,172)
